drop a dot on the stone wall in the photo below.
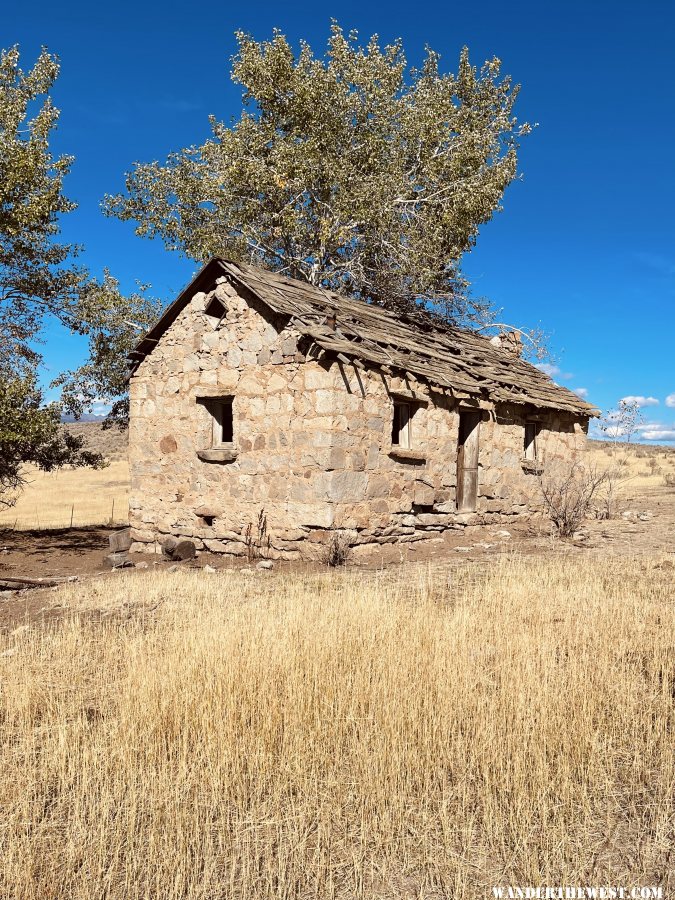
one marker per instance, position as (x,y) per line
(311,445)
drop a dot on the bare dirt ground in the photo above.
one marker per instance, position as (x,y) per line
(62,553)
(646,526)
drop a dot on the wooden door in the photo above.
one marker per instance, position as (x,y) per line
(467,460)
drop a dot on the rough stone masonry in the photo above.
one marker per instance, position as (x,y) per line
(258,399)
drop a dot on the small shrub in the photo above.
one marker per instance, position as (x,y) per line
(569,494)
(606,501)
(669,479)
(338,549)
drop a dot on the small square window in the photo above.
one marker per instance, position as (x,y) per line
(530,440)
(401,432)
(222,422)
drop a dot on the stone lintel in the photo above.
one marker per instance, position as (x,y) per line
(409,396)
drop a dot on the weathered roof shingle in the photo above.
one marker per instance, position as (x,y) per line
(462,362)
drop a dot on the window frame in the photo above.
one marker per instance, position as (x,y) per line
(221,410)
(401,425)
(531,441)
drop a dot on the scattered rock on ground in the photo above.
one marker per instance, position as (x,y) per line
(184,550)
(208,569)
(265,564)
(632,514)
(120,540)
(168,545)
(502,534)
(118,561)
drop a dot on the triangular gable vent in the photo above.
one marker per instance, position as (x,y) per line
(215,311)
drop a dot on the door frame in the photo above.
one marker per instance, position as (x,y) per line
(468,452)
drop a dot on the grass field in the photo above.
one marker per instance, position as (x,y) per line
(637,466)
(71,496)
(398,734)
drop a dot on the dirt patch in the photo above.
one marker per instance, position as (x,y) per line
(62,551)
(645,527)
(41,554)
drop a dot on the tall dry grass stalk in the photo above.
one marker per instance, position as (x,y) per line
(344,736)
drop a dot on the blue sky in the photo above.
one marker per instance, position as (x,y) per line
(585,246)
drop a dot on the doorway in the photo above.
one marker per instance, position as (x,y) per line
(467,460)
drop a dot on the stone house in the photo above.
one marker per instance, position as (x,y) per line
(256,397)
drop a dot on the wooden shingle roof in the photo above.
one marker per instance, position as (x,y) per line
(462,362)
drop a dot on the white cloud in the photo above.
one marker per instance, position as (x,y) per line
(548,369)
(100,407)
(655,435)
(553,371)
(662,265)
(580,392)
(640,401)
(663,432)
(615,431)
(670,401)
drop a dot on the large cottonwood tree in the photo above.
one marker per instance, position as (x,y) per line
(349,171)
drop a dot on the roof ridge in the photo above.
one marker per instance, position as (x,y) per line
(452,357)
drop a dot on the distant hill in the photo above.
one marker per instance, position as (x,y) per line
(87,417)
(111,442)
(636,448)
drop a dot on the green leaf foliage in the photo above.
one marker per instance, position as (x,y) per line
(350,171)
(115,324)
(40,279)
(31,432)
(37,274)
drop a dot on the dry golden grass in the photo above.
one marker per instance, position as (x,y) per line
(344,735)
(637,466)
(51,498)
